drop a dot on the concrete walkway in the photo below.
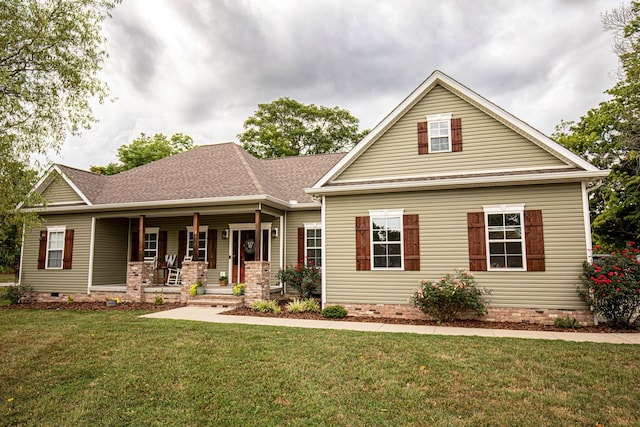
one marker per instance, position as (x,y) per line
(208,314)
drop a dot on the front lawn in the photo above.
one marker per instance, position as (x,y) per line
(114,368)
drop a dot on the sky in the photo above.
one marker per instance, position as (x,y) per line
(201,67)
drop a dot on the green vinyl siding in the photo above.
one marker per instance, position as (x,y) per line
(296,220)
(58,191)
(110,251)
(67,281)
(488,145)
(444,245)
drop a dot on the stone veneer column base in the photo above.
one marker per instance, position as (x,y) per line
(256,275)
(192,271)
(543,316)
(139,274)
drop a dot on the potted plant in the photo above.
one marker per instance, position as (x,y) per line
(223,280)
(197,288)
(238,289)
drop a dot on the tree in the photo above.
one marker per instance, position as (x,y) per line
(609,136)
(50,55)
(146,149)
(286,127)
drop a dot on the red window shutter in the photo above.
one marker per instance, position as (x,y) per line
(411,231)
(301,239)
(68,250)
(363,246)
(42,251)
(534,240)
(423,138)
(182,246)
(212,247)
(477,242)
(135,239)
(456,134)
(162,246)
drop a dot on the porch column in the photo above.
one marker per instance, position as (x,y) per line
(141,238)
(258,235)
(257,281)
(196,234)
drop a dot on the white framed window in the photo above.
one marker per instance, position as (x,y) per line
(313,244)
(386,239)
(55,247)
(202,242)
(505,237)
(439,133)
(151,242)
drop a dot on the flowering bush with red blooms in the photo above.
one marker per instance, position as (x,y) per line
(611,285)
(304,278)
(450,296)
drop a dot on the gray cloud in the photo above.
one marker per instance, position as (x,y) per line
(201,67)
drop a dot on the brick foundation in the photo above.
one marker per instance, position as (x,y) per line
(542,316)
(257,281)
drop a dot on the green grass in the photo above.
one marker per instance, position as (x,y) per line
(113,369)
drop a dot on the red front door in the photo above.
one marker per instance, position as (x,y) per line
(244,249)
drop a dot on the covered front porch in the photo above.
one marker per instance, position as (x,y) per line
(136,253)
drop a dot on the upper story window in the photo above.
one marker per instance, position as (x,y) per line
(439,126)
(151,242)
(386,238)
(202,242)
(55,247)
(313,244)
(505,237)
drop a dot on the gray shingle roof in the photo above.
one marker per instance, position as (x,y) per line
(206,171)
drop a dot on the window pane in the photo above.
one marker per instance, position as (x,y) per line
(497,261)
(395,261)
(514,262)
(514,248)
(56,240)
(496,248)
(440,144)
(494,235)
(495,220)
(393,249)
(512,219)
(513,233)
(55,259)
(393,236)
(380,249)
(379,261)
(394,223)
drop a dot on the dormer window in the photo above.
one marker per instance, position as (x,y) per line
(439,133)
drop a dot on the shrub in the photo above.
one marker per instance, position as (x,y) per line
(450,296)
(158,300)
(611,285)
(238,289)
(566,323)
(334,312)
(15,293)
(193,290)
(266,306)
(303,305)
(304,278)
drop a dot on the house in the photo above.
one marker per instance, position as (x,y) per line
(447,180)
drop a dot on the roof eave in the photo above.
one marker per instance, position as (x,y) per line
(462,182)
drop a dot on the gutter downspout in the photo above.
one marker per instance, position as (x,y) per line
(587,228)
(24,226)
(91,253)
(323,214)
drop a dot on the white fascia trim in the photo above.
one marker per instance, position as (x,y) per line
(72,185)
(186,203)
(438,77)
(448,173)
(386,212)
(490,209)
(312,225)
(463,182)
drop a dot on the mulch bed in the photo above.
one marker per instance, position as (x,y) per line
(246,311)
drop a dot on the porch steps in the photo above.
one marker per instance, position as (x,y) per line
(212,300)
